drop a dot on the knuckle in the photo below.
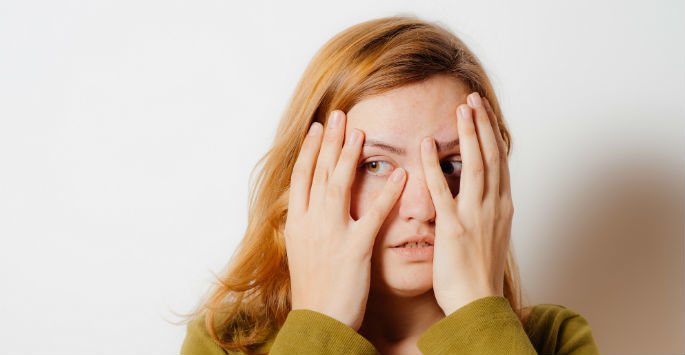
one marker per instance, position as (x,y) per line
(444,188)
(497,211)
(330,136)
(458,228)
(492,157)
(507,208)
(309,143)
(335,191)
(320,176)
(483,115)
(288,232)
(299,171)
(349,152)
(477,170)
(471,133)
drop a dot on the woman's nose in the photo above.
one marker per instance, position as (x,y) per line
(415,201)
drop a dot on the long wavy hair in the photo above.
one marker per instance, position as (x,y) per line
(252,296)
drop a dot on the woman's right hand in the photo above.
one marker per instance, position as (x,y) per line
(329,253)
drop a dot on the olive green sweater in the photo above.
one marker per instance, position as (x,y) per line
(485,326)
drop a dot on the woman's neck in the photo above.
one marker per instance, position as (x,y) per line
(391,320)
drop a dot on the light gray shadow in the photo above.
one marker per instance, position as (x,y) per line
(622,255)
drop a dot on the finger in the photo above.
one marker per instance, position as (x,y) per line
(505,187)
(371,222)
(345,171)
(435,179)
(471,184)
(301,177)
(501,145)
(489,149)
(328,156)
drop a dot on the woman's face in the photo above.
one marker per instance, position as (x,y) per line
(400,118)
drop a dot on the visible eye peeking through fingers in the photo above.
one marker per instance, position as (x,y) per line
(451,168)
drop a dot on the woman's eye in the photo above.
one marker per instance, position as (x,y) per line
(452,168)
(373,166)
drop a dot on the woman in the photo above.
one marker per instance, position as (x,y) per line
(382,216)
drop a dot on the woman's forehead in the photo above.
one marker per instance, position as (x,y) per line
(426,108)
(432,102)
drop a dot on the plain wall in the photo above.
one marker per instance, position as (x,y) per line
(128,130)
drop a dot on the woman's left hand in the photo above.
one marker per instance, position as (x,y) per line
(472,230)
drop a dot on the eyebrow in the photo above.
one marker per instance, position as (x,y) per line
(442,146)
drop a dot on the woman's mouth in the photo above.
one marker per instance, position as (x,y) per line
(421,251)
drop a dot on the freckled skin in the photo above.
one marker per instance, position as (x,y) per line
(402,117)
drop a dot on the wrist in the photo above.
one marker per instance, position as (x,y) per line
(456,303)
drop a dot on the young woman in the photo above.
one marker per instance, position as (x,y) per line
(381,219)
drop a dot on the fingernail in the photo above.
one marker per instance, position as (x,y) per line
(474,100)
(314,129)
(427,144)
(465,112)
(397,175)
(335,119)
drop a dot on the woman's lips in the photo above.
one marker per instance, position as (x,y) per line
(418,253)
(416,239)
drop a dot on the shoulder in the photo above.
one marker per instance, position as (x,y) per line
(546,313)
(554,328)
(198,341)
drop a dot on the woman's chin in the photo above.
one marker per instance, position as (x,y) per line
(407,280)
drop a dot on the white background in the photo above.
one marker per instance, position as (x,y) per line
(128,130)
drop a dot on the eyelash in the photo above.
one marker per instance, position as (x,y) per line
(363,166)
